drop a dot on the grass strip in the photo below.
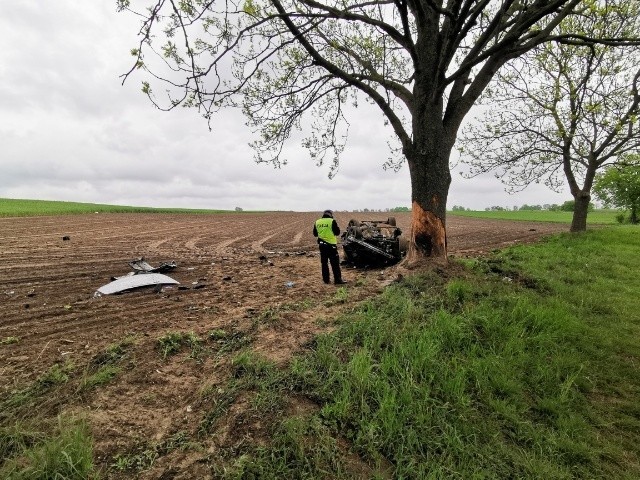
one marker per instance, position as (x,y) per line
(522,367)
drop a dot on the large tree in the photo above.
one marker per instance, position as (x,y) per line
(563,111)
(424,63)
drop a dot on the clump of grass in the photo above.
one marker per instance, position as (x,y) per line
(24,399)
(17,438)
(65,454)
(145,456)
(104,366)
(341,296)
(172,343)
(101,377)
(113,354)
(56,375)
(216,401)
(301,447)
(253,376)
(458,292)
(9,340)
(225,342)
(272,313)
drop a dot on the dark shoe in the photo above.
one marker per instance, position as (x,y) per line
(326,281)
(340,282)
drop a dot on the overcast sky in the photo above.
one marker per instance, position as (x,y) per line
(70,131)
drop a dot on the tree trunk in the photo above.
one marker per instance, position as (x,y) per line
(580,210)
(430,180)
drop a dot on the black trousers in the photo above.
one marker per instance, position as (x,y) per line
(329,254)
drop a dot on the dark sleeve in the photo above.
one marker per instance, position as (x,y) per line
(315,231)
(335,228)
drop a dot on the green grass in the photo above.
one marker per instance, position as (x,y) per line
(596,217)
(28,208)
(525,366)
(64,453)
(144,456)
(171,343)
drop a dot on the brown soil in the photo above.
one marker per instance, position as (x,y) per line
(241,264)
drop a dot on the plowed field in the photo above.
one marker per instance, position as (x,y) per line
(254,274)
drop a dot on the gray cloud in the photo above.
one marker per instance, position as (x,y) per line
(71,131)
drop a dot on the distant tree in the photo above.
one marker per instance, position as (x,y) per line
(531,207)
(564,111)
(423,63)
(400,209)
(568,206)
(619,186)
(238,209)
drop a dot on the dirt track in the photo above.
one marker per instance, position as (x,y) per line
(47,301)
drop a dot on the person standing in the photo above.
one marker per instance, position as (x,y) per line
(327,231)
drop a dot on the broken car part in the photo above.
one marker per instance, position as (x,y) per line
(136,281)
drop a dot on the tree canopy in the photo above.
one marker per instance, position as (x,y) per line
(286,62)
(564,110)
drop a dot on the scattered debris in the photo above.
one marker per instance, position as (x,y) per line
(140,265)
(289,284)
(66,238)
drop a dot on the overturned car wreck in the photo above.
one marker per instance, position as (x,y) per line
(373,243)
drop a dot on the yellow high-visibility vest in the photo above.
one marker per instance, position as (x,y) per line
(325,232)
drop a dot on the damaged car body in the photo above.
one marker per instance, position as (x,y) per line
(373,243)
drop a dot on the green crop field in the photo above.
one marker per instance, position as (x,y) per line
(27,208)
(596,217)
